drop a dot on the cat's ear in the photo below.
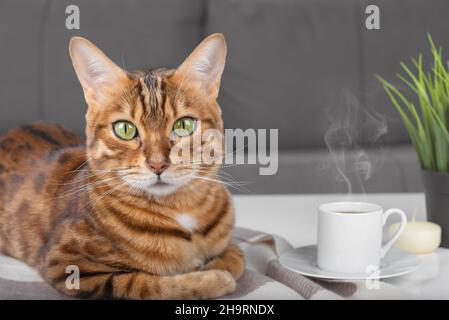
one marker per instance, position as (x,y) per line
(95,71)
(205,64)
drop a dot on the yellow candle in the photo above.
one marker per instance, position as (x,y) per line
(419,237)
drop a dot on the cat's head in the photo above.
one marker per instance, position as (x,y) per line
(141,125)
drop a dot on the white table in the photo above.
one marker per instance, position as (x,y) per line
(294,217)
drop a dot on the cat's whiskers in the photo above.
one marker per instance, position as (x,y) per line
(119,177)
(232,184)
(102,196)
(81,165)
(200,164)
(99,170)
(108,192)
(83,178)
(90,174)
(230,181)
(84,163)
(228,184)
(78,191)
(84,187)
(226,177)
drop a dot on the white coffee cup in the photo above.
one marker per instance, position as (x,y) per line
(350,236)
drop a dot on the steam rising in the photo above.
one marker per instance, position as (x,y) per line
(353,133)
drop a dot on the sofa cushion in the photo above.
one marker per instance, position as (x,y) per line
(21,27)
(392,169)
(287,60)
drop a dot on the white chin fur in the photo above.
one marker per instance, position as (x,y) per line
(151,188)
(161,190)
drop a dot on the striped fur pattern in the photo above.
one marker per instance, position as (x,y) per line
(66,201)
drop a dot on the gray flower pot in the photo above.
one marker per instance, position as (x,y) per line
(436,188)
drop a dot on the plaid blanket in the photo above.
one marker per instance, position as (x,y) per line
(264,277)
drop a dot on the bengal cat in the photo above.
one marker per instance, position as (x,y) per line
(137,224)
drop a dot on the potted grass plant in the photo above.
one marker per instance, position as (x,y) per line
(427,123)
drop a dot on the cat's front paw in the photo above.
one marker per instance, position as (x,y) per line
(213,284)
(231,260)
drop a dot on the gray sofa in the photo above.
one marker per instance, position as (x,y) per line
(291,65)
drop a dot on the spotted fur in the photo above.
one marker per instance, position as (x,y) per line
(65,201)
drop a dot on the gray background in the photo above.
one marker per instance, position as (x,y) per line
(296,65)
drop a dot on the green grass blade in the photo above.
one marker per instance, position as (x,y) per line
(427,122)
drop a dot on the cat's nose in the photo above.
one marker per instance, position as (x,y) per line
(157,166)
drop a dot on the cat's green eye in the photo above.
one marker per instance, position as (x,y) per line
(125,130)
(184,127)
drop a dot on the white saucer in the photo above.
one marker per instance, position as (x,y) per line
(303,260)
